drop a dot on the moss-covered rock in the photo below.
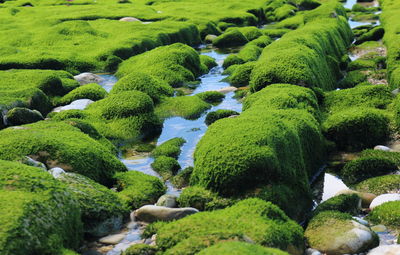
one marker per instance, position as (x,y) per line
(387,214)
(240,77)
(138,189)
(188,107)
(20,116)
(182,179)
(212,97)
(363,168)
(39,215)
(337,233)
(230,38)
(90,91)
(141,249)
(262,222)
(352,79)
(240,248)
(165,166)
(219,114)
(170,148)
(208,61)
(202,199)
(374,34)
(343,203)
(102,210)
(232,60)
(380,185)
(149,84)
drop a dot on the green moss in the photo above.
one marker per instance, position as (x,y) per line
(230,38)
(387,214)
(211,96)
(170,148)
(30,195)
(238,248)
(261,41)
(89,91)
(352,79)
(219,114)
(68,252)
(357,128)
(98,204)
(208,61)
(166,166)
(360,64)
(363,168)
(19,116)
(380,185)
(276,32)
(138,189)
(182,179)
(241,75)
(188,107)
(232,60)
(140,249)
(285,11)
(202,199)
(60,144)
(343,203)
(359,8)
(149,84)
(251,33)
(374,34)
(262,222)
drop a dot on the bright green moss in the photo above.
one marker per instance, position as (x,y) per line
(380,185)
(249,52)
(29,194)
(89,91)
(251,33)
(343,203)
(219,114)
(363,168)
(202,199)
(140,81)
(138,189)
(374,34)
(396,110)
(361,64)
(208,61)
(232,60)
(284,11)
(238,248)
(261,221)
(261,41)
(166,166)
(175,64)
(352,79)
(230,38)
(141,249)
(98,204)
(182,179)
(211,96)
(60,144)
(387,214)
(170,148)
(241,75)
(357,128)
(276,32)
(188,107)
(68,252)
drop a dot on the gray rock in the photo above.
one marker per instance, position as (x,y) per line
(86,78)
(311,251)
(395,92)
(112,239)
(79,104)
(381,199)
(386,250)
(167,201)
(106,226)
(382,148)
(152,213)
(56,172)
(31,162)
(20,116)
(129,19)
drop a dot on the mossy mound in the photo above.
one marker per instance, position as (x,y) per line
(240,77)
(59,144)
(352,79)
(363,168)
(182,179)
(149,84)
(102,210)
(91,91)
(170,148)
(141,249)
(138,189)
(218,114)
(374,34)
(240,248)
(357,128)
(20,116)
(208,62)
(230,38)
(387,214)
(262,222)
(188,107)
(39,215)
(380,185)
(165,166)
(202,199)
(343,203)
(212,97)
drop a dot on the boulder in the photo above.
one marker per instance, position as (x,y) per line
(86,78)
(20,116)
(167,201)
(152,213)
(381,199)
(386,250)
(79,104)
(382,148)
(56,172)
(366,198)
(129,19)
(31,162)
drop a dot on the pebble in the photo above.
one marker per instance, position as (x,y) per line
(112,239)
(382,148)
(129,19)
(311,251)
(227,89)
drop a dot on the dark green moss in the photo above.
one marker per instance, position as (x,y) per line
(230,38)
(374,34)
(211,96)
(343,203)
(170,148)
(166,166)
(352,79)
(19,116)
(219,114)
(182,179)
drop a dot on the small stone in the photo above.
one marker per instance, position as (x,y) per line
(31,162)
(382,148)
(311,251)
(227,89)
(167,201)
(79,104)
(386,250)
(112,239)
(381,199)
(86,78)
(379,228)
(129,19)
(152,213)
(56,172)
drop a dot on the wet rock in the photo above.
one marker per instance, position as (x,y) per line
(86,78)
(364,222)
(79,104)
(366,198)
(382,148)
(210,38)
(227,89)
(129,19)
(381,199)
(20,116)
(31,162)
(56,172)
(151,213)
(386,250)
(112,239)
(167,201)
(379,228)
(311,251)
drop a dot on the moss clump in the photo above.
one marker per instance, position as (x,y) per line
(232,60)
(170,148)
(387,214)
(202,199)
(208,61)
(241,75)
(30,195)
(212,97)
(102,210)
(352,79)
(188,107)
(367,167)
(149,84)
(238,248)
(68,252)
(140,249)
(166,166)
(343,203)
(251,33)
(219,114)
(374,34)
(261,221)
(138,189)
(19,116)
(380,185)
(230,38)
(261,41)
(357,128)
(91,91)
(360,64)
(276,32)
(285,11)
(58,144)
(182,179)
